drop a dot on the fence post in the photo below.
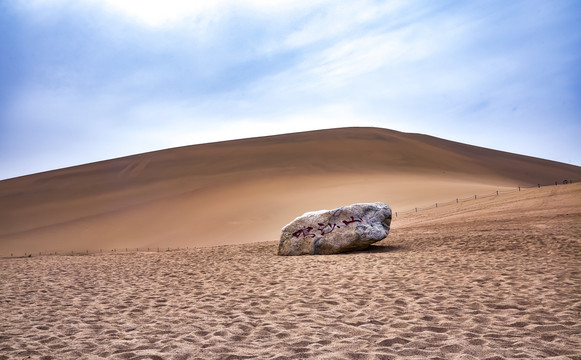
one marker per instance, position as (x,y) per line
(396,214)
(474,197)
(436,204)
(456,200)
(496,192)
(519,188)
(539,186)
(416,209)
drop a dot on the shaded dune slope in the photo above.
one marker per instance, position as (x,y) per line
(246,190)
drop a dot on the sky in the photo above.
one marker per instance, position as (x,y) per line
(89,80)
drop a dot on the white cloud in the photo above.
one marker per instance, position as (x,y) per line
(156,74)
(338,20)
(158,13)
(188,128)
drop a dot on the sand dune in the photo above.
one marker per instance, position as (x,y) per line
(246,190)
(492,278)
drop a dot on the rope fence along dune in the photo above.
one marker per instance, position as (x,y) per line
(398,214)
(119,251)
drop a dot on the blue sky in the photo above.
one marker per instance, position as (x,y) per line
(88,80)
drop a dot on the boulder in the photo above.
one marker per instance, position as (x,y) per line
(347,228)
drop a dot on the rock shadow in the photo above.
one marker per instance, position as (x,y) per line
(374,249)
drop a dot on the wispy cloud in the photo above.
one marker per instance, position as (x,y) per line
(87,80)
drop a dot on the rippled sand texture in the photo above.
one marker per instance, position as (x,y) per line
(490,284)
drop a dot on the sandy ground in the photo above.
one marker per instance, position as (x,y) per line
(494,278)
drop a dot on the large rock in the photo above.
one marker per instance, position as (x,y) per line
(347,228)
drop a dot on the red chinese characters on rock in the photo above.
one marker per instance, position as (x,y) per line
(323,229)
(347,222)
(304,232)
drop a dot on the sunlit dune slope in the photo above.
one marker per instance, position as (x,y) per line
(246,190)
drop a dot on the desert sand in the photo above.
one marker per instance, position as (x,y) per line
(245,191)
(493,278)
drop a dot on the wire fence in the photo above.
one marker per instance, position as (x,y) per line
(119,251)
(459,200)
